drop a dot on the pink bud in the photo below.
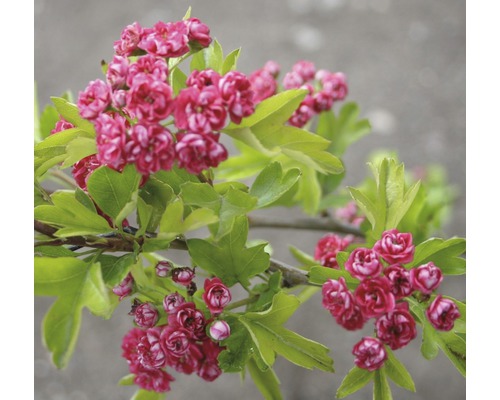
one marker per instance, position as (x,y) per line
(426,278)
(124,288)
(146,315)
(172,302)
(183,275)
(220,330)
(370,354)
(216,295)
(163,268)
(442,313)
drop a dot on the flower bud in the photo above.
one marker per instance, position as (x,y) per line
(216,295)
(220,330)
(370,354)
(172,301)
(183,275)
(163,268)
(124,288)
(146,315)
(426,278)
(442,313)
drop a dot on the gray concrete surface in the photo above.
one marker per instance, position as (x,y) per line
(405,62)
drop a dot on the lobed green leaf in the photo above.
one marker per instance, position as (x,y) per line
(355,379)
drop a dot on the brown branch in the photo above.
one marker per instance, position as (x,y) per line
(315,224)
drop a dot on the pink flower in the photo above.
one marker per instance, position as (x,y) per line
(303,114)
(151,147)
(116,75)
(263,84)
(198,32)
(395,247)
(129,346)
(156,380)
(196,152)
(336,296)
(335,85)
(370,354)
(374,297)
(322,101)
(292,80)
(111,135)
(150,65)
(83,168)
(166,39)
(328,247)
(209,369)
(175,341)
(94,100)
(203,78)
(163,268)
(216,295)
(397,328)
(172,302)
(149,349)
(426,277)
(442,313)
(220,330)
(400,281)
(236,91)
(189,317)
(272,67)
(146,315)
(200,111)
(363,263)
(61,125)
(305,69)
(150,99)
(183,275)
(349,214)
(124,288)
(129,40)
(351,318)
(188,362)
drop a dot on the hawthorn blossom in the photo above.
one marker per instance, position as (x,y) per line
(83,168)
(61,125)
(200,110)
(236,91)
(220,330)
(116,74)
(94,99)
(363,263)
(129,39)
(442,313)
(146,315)
(397,328)
(162,268)
(196,152)
(150,99)
(216,295)
(203,78)
(172,301)
(149,350)
(111,136)
(148,64)
(400,281)
(426,277)
(327,248)
(374,296)
(157,380)
(124,288)
(187,316)
(263,83)
(198,32)
(370,353)
(151,148)
(183,275)
(395,247)
(165,39)
(175,340)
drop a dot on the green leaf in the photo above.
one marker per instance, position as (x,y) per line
(342,130)
(397,372)
(266,381)
(214,57)
(446,254)
(355,379)
(381,388)
(392,199)
(188,14)
(271,338)
(115,269)
(198,61)
(84,199)
(76,284)
(178,80)
(127,380)
(142,394)
(272,183)
(71,216)
(174,222)
(237,348)
(156,194)
(78,149)
(230,61)
(53,150)
(266,292)
(229,258)
(115,192)
(70,113)
(319,275)
(309,191)
(144,215)
(48,120)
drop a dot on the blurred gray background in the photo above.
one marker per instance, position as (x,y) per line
(405,63)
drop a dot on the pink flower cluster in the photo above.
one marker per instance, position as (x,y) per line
(324,87)
(133,106)
(328,247)
(384,283)
(182,343)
